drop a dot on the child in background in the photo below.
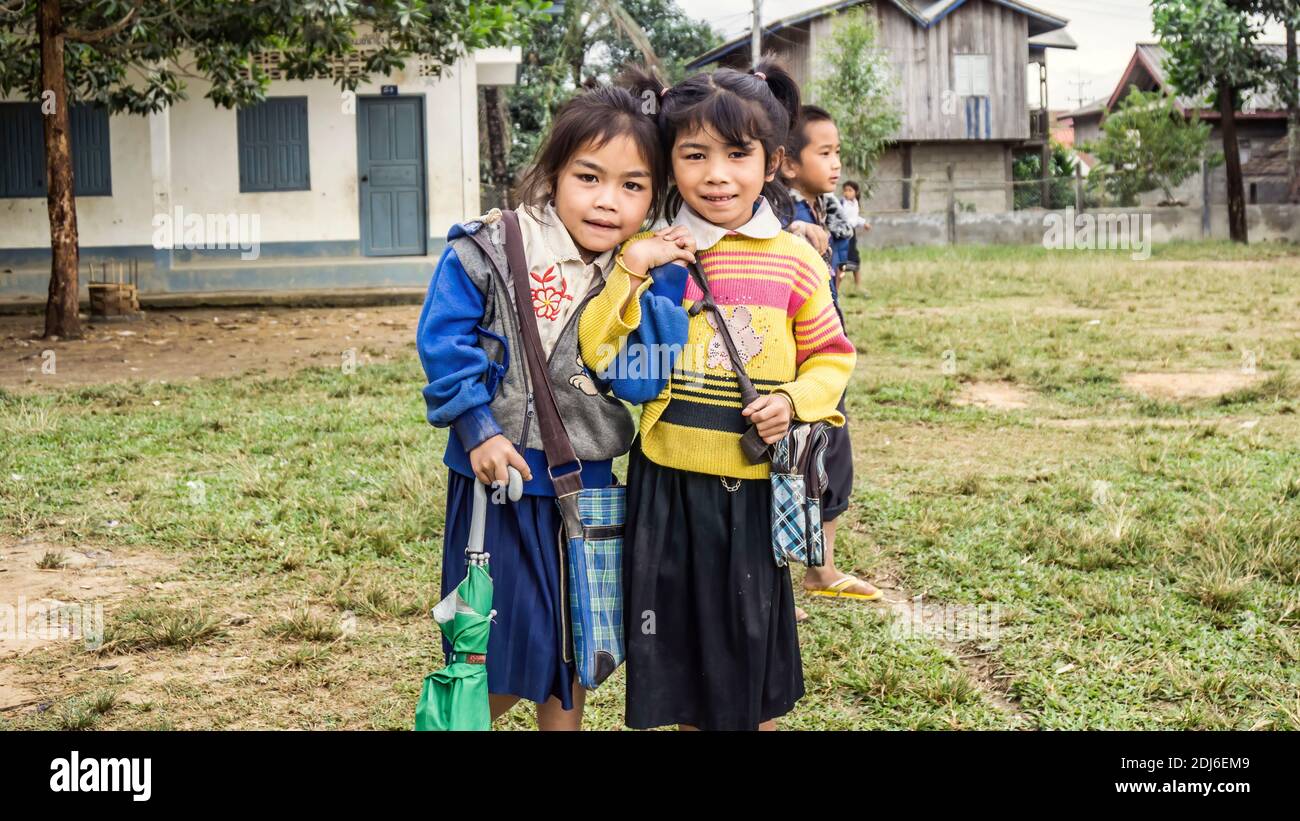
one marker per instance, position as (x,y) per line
(811,144)
(811,170)
(711,636)
(594,183)
(851,206)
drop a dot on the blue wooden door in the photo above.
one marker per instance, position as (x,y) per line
(391,175)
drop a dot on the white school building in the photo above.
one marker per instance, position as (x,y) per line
(313,189)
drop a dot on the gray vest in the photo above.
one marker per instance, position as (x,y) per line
(598,424)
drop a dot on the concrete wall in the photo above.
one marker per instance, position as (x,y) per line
(887,194)
(121,219)
(1265,223)
(974,164)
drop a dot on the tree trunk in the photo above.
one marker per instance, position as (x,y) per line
(498,168)
(1293,118)
(61,308)
(1232,160)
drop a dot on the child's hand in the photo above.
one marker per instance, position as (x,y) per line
(490,460)
(818,238)
(672,244)
(772,415)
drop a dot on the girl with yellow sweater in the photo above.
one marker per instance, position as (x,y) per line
(711,638)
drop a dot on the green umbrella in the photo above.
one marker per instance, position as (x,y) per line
(456,697)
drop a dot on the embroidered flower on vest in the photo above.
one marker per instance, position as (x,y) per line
(549,293)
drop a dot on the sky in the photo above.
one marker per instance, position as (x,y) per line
(1106,31)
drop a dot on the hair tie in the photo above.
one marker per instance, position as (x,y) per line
(664,90)
(760,75)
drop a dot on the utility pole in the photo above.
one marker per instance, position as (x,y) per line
(1078,89)
(756,35)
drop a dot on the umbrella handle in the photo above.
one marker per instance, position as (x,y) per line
(514,490)
(477,522)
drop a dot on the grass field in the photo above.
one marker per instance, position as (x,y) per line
(1090,463)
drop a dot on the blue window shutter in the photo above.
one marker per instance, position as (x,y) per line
(91,169)
(273,146)
(22,166)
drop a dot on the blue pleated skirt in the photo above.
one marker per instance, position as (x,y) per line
(525,651)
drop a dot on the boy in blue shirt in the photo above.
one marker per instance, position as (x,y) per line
(811,170)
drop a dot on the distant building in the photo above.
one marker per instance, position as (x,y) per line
(345,190)
(964,69)
(1261,129)
(1062,132)
(1085,122)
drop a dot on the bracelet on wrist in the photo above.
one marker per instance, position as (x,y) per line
(622,261)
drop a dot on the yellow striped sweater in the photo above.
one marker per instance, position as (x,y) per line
(776,295)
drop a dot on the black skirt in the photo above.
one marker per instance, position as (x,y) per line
(839,469)
(711,637)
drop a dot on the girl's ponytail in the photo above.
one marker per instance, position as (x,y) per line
(645,85)
(783,86)
(786,91)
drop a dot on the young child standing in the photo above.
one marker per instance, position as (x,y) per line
(593,184)
(711,636)
(811,169)
(851,205)
(814,147)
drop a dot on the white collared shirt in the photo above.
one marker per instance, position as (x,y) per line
(557,277)
(762,225)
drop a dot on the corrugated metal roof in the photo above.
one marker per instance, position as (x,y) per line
(1040,22)
(1097,106)
(1151,58)
(1053,39)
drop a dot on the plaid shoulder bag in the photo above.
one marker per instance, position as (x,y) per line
(591,541)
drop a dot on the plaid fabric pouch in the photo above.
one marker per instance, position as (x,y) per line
(798,475)
(591,537)
(596,583)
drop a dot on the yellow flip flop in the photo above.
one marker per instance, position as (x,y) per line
(837,591)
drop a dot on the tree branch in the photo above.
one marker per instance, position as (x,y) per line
(100,35)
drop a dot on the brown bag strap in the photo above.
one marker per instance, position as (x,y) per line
(756,450)
(555,439)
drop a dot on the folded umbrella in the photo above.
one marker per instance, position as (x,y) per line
(456,697)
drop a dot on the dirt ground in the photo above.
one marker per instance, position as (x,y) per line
(66,600)
(996,395)
(172,345)
(1190,385)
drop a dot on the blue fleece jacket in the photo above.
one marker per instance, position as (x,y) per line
(463,380)
(664,326)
